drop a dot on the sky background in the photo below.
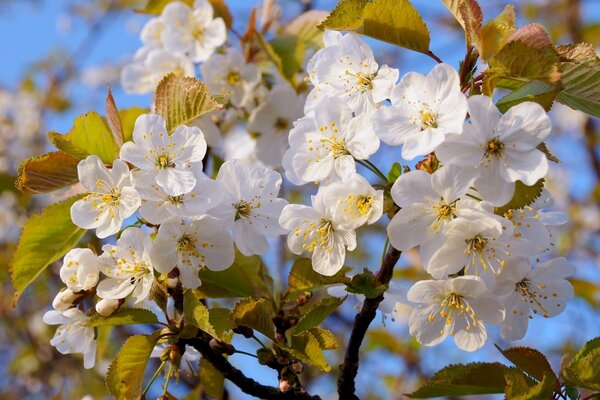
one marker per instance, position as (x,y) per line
(29,31)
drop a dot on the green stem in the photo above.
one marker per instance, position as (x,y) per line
(259,341)
(385,247)
(245,353)
(160,368)
(168,379)
(371,167)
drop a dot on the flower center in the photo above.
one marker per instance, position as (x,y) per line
(317,234)
(335,146)
(233,77)
(282,124)
(363,81)
(530,296)
(364,204)
(243,209)
(455,306)
(198,33)
(175,200)
(476,245)
(164,161)
(186,243)
(494,148)
(428,120)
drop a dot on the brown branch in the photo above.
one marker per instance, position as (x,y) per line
(237,377)
(349,369)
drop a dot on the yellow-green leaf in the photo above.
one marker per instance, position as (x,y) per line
(113,118)
(494,34)
(536,91)
(48,172)
(212,381)
(524,195)
(306,348)
(463,380)
(126,372)
(128,117)
(317,314)
(256,314)
(393,21)
(304,278)
(89,136)
(528,360)
(469,15)
(197,314)
(325,337)
(305,28)
(45,238)
(124,316)
(156,6)
(584,369)
(182,99)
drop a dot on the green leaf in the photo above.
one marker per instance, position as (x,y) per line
(393,21)
(128,117)
(543,147)
(469,15)
(304,278)
(182,99)
(572,392)
(317,314)
(517,382)
(255,314)
(45,238)
(291,51)
(325,337)
(587,290)
(528,360)
(366,284)
(48,172)
(304,27)
(523,197)
(124,316)
(156,6)
(394,172)
(126,372)
(580,69)
(494,33)
(306,347)
(584,370)
(89,136)
(536,91)
(541,390)
(211,379)
(197,314)
(247,276)
(220,319)
(463,380)
(113,118)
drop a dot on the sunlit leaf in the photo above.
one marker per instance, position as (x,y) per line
(528,360)
(494,33)
(212,381)
(304,278)
(524,196)
(306,347)
(255,314)
(128,117)
(584,369)
(318,313)
(48,172)
(124,316)
(469,15)
(536,91)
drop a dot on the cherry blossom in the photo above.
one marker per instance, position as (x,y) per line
(73,336)
(79,270)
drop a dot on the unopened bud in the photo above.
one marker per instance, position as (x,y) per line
(303,298)
(244,330)
(174,355)
(297,367)
(282,360)
(106,307)
(284,386)
(65,299)
(172,282)
(221,347)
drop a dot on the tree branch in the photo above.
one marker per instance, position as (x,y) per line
(349,369)
(237,377)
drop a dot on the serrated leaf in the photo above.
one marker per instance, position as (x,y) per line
(126,372)
(304,278)
(584,370)
(463,380)
(128,117)
(516,382)
(366,284)
(159,294)
(536,91)
(255,314)
(580,68)
(306,347)
(524,196)
(528,360)
(211,379)
(325,337)
(540,390)
(494,33)
(89,136)
(543,147)
(317,314)
(48,172)
(220,319)
(197,314)
(393,21)
(182,99)
(469,15)
(45,238)
(156,6)
(247,276)
(124,316)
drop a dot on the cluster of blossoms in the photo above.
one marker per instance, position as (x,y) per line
(480,261)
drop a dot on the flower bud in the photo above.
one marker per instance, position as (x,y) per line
(297,367)
(172,282)
(303,298)
(65,299)
(106,307)
(175,355)
(244,330)
(284,386)
(221,347)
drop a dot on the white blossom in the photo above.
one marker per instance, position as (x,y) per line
(173,158)
(527,292)
(324,144)
(273,120)
(192,246)
(346,69)
(110,197)
(73,336)
(230,74)
(127,266)
(79,270)
(250,205)
(500,149)
(425,108)
(316,231)
(459,307)
(193,32)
